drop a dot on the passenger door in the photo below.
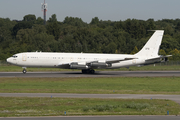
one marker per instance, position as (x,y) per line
(24,57)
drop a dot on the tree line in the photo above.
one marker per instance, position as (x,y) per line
(74,35)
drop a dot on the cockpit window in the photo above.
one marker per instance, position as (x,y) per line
(14,56)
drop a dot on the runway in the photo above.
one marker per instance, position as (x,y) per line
(97,74)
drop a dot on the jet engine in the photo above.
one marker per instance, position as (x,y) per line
(100,64)
(76,66)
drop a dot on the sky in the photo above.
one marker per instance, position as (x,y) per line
(114,10)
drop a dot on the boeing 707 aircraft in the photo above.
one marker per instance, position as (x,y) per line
(87,62)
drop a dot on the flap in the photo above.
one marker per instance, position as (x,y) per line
(118,60)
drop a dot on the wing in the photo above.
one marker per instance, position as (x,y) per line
(64,65)
(92,64)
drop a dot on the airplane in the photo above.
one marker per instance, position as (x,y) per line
(87,62)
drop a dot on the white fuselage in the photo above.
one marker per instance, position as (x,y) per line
(45,59)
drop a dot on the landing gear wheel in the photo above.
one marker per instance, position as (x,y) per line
(92,71)
(24,71)
(84,71)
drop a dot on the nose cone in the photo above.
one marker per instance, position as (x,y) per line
(8,60)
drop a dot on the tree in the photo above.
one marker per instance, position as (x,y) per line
(40,21)
(95,20)
(21,25)
(5,34)
(52,19)
(29,18)
(162,52)
(178,26)
(53,29)
(135,50)
(110,48)
(34,39)
(175,55)
(74,22)
(118,25)
(151,25)
(169,43)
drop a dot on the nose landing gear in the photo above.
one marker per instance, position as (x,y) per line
(24,70)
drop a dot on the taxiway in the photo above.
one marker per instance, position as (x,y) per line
(175,98)
(97,74)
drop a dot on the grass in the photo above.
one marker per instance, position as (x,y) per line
(12,68)
(23,106)
(119,85)
(16,107)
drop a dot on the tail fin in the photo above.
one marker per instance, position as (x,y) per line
(151,48)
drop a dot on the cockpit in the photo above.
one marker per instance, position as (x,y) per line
(14,56)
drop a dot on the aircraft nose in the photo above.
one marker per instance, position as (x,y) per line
(8,60)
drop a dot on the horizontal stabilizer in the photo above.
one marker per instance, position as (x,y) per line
(151,59)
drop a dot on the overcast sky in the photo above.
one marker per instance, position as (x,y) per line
(113,10)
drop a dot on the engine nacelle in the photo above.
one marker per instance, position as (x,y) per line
(100,65)
(164,59)
(76,66)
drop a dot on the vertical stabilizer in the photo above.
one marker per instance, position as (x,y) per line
(151,48)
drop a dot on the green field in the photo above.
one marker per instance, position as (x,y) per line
(119,85)
(14,106)
(12,68)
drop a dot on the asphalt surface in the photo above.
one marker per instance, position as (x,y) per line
(98,118)
(97,74)
(175,98)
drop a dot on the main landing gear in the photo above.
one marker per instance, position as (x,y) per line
(24,70)
(91,71)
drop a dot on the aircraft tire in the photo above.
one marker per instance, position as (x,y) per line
(24,71)
(84,71)
(92,71)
